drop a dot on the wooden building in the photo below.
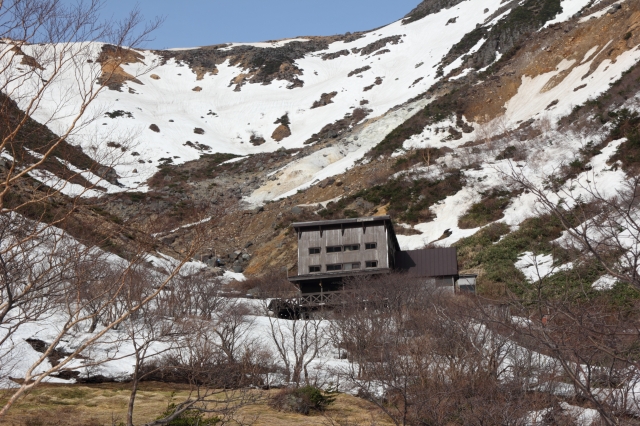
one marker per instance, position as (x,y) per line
(331,251)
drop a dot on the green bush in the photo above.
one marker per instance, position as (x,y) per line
(626,124)
(489,209)
(303,400)
(188,418)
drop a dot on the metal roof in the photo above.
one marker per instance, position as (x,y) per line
(435,262)
(341,221)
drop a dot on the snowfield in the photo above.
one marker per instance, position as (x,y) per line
(171,103)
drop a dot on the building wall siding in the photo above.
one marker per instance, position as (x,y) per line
(341,236)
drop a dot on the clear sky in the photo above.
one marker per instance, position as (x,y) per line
(190,23)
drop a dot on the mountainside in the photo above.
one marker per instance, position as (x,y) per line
(414,119)
(147,197)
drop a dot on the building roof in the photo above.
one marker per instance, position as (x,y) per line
(435,262)
(358,220)
(340,221)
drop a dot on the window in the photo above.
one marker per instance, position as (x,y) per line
(314,268)
(334,249)
(370,246)
(371,263)
(337,267)
(351,266)
(352,247)
(314,250)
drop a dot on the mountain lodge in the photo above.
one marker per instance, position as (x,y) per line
(332,251)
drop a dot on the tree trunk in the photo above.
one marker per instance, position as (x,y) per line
(296,374)
(132,397)
(94,324)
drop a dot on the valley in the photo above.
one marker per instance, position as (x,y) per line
(161,186)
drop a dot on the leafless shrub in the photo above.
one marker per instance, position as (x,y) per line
(272,283)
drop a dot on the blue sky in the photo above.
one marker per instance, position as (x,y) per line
(204,22)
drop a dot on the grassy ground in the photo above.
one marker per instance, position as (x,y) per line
(106,404)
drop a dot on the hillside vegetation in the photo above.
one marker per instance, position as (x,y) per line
(147,197)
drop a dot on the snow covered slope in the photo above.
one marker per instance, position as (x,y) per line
(397,62)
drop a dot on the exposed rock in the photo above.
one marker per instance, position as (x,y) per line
(325,99)
(427,7)
(359,71)
(334,130)
(197,89)
(381,52)
(281,132)
(256,140)
(27,60)
(327,182)
(335,55)
(261,65)
(108,173)
(363,204)
(168,240)
(455,135)
(55,355)
(111,59)
(377,45)
(155,128)
(155,76)
(198,131)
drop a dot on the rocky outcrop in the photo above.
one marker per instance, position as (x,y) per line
(427,7)
(335,55)
(377,45)
(359,71)
(333,130)
(281,132)
(325,99)
(256,140)
(262,65)
(111,59)
(504,36)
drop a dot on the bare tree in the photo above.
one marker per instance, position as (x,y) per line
(70,307)
(231,324)
(298,342)
(216,387)
(149,331)
(48,45)
(424,356)
(565,317)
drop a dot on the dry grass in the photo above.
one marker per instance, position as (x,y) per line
(106,404)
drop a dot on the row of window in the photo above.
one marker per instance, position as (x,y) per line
(338,249)
(344,266)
